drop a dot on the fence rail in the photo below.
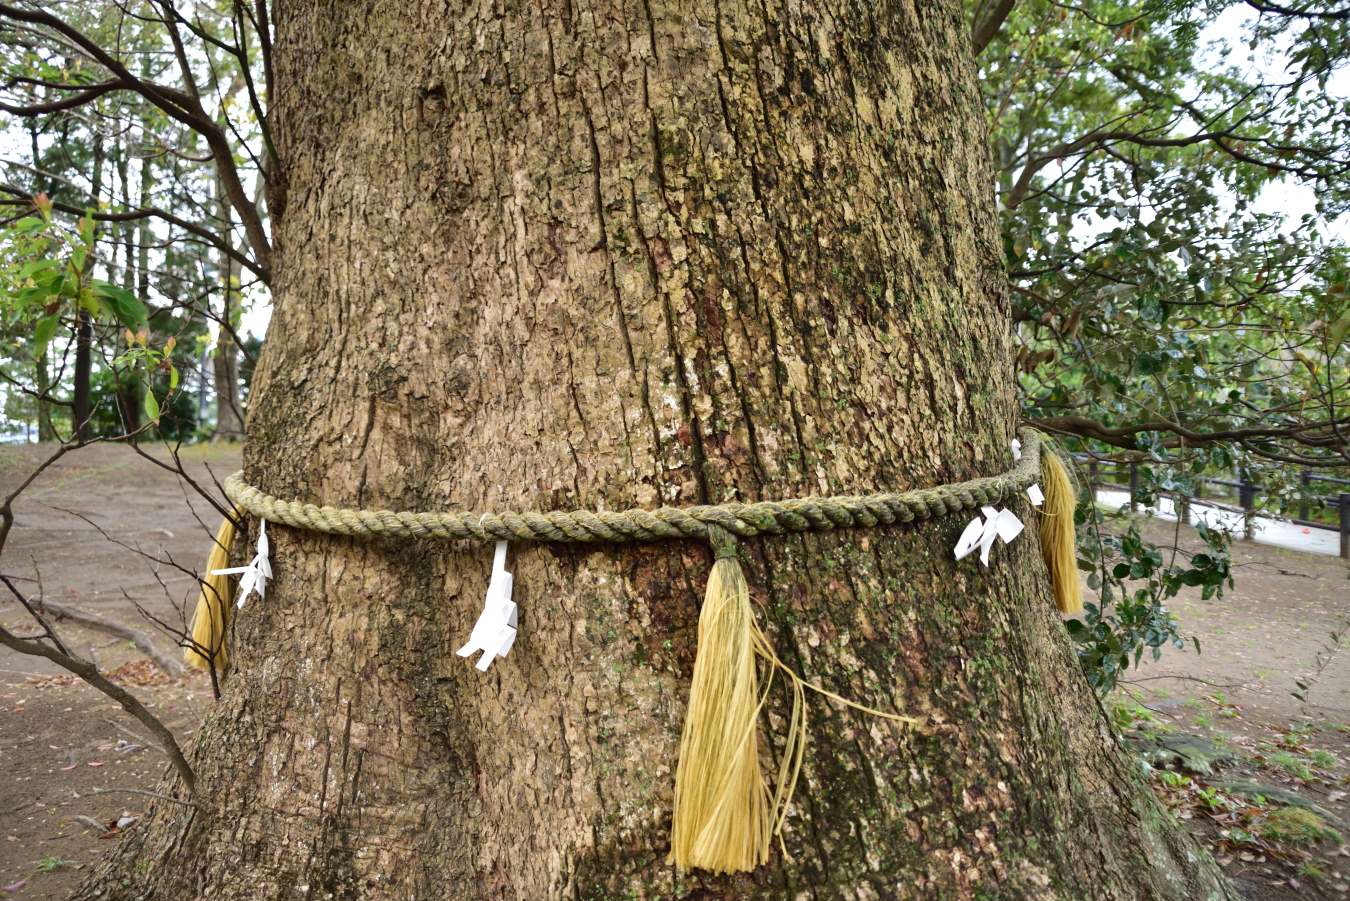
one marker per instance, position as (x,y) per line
(1247,496)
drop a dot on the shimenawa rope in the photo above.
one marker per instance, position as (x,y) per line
(724,815)
(740,519)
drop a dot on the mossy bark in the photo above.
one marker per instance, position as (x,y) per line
(580,255)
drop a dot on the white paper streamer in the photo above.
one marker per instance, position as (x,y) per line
(254,576)
(1008,525)
(1037,496)
(970,538)
(495,631)
(1017,449)
(980,533)
(989,534)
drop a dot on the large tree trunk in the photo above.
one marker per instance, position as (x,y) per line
(584,256)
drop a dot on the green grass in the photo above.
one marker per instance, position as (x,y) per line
(1310,869)
(1126,713)
(1322,759)
(52,864)
(1291,764)
(1173,779)
(1295,826)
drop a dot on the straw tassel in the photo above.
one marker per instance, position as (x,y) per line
(1057,533)
(722,817)
(212,617)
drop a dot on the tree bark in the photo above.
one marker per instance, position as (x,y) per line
(43,380)
(593,256)
(81,391)
(225,358)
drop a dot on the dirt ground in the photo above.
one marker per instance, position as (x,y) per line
(63,745)
(1235,753)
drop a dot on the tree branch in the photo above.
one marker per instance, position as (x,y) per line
(86,95)
(180,106)
(1124,436)
(987,28)
(91,675)
(23,198)
(1335,15)
(139,639)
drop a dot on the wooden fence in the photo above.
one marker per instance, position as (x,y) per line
(1247,494)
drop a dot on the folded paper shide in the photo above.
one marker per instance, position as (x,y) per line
(724,814)
(980,533)
(253,577)
(495,631)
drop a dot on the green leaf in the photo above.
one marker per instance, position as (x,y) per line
(44,332)
(29,225)
(125,306)
(151,406)
(34,269)
(88,300)
(173,378)
(34,295)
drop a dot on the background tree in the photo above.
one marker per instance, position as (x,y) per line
(1168,313)
(165,111)
(1151,289)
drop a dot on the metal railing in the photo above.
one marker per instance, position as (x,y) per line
(1247,493)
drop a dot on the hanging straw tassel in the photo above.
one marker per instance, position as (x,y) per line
(1057,533)
(212,617)
(722,818)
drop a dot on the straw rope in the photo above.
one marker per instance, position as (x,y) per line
(578,526)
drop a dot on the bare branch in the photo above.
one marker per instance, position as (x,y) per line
(86,95)
(91,675)
(139,639)
(1334,15)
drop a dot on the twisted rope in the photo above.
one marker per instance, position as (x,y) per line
(577,526)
